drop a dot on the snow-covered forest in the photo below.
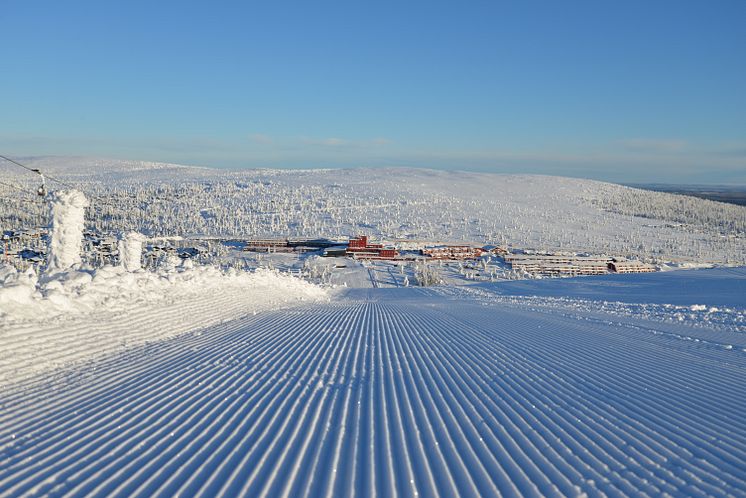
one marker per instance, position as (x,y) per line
(540,212)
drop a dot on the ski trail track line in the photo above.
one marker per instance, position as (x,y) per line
(380,395)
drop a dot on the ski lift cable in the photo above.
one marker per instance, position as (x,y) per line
(43,177)
(56,180)
(21,165)
(21,199)
(42,189)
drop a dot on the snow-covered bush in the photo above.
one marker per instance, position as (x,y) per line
(426,274)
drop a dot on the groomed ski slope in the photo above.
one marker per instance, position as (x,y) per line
(388,392)
(83,315)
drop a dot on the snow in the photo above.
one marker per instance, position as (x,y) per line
(192,380)
(398,204)
(725,287)
(80,315)
(391,392)
(68,211)
(130,251)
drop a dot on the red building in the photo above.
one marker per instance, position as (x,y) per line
(360,248)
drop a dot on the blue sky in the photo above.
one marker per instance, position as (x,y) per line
(623,91)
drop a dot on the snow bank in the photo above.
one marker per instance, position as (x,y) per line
(17,290)
(77,292)
(67,213)
(79,315)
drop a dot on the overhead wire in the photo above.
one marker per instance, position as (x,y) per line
(88,194)
(36,202)
(100,201)
(46,176)
(21,165)
(42,191)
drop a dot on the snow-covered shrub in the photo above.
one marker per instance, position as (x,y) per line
(426,274)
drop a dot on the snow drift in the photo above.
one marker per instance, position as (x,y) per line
(83,314)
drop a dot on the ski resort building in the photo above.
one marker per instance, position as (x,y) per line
(562,264)
(540,267)
(23,249)
(568,259)
(558,264)
(453,252)
(314,243)
(620,265)
(267,245)
(360,248)
(288,245)
(24,236)
(496,250)
(335,251)
(192,252)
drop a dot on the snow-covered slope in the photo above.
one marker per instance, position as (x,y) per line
(92,166)
(526,211)
(392,392)
(135,383)
(708,288)
(83,315)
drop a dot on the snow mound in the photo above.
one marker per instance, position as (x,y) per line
(78,315)
(79,292)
